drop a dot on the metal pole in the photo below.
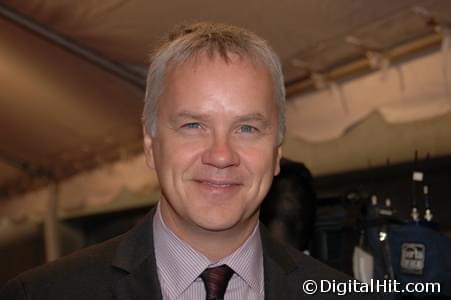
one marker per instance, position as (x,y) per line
(111,66)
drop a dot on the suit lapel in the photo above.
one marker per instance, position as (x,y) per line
(140,284)
(136,276)
(277,265)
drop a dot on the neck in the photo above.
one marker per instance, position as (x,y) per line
(214,244)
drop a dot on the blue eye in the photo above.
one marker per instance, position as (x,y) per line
(247,128)
(191,125)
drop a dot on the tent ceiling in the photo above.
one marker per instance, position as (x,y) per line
(62,114)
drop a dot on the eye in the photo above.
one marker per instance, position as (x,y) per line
(192,125)
(247,129)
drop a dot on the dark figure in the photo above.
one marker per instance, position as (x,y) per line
(289,209)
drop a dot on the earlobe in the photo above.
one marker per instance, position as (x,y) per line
(279,157)
(148,152)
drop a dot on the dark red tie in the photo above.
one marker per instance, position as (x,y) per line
(216,281)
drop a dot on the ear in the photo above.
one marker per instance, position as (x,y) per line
(148,152)
(278,158)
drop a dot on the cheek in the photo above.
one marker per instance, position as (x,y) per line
(176,157)
(261,163)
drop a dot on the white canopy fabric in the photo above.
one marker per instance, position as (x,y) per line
(119,185)
(412,91)
(62,114)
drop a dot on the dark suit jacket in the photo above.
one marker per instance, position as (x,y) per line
(125,268)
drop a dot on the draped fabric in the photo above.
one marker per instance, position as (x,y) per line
(415,90)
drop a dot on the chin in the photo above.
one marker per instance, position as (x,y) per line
(216,223)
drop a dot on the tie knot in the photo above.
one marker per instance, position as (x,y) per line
(216,280)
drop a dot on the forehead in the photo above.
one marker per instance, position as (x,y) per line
(205,78)
(206,61)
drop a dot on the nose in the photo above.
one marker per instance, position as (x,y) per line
(220,153)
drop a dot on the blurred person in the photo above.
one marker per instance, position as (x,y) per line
(213,125)
(289,209)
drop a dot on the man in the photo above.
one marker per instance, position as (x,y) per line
(213,126)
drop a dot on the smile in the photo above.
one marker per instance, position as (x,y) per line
(218,184)
(214,183)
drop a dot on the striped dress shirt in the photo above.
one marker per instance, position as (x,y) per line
(179,266)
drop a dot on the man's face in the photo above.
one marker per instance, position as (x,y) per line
(215,148)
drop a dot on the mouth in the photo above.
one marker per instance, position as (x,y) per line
(217,184)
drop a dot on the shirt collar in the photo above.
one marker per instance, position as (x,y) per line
(179,265)
(247,261)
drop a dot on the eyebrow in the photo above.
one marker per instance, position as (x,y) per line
(186,114)
(252,117)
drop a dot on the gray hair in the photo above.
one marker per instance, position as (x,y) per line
(213,39)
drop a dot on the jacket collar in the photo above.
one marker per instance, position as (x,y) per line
(135,261)
(277,265)
(137,269)
(276,251)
